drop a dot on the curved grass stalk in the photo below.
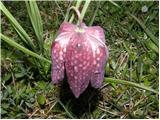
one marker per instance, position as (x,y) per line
(77,6)
(124,82)
(68,113)
(23,49)
(22,33)
(36,21)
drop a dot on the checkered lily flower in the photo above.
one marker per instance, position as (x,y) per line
(81,53)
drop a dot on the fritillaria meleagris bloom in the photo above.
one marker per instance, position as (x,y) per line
(82,53)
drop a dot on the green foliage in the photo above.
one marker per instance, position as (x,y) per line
(36,21)
(131,78)
(41,99)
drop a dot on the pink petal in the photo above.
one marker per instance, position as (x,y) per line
(58,51)
(57,62)
(100,55)
(78,59)
(66,27)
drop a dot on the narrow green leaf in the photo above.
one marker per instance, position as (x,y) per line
(151,46)
(115,4)
(86,4)
(94,14)
(23,49)
(68,113)
(36,21)
(124,82)
(148,32)
(154,40)
(22,33)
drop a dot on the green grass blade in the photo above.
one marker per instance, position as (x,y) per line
(87,2)
(36,21)
(147,31)
(22,33)
(23,49)
(68,113)
(124,82)
(115,4)
(94,14)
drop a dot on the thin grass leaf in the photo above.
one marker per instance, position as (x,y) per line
(94,15)
(21,32)
(68,113)
(115,4)
(86,4)
(150,45)
(124,82)
(23,49)
(36,21)
(148,32)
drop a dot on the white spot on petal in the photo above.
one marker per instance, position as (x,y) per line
(98,58)
(84,62)
(61,53)
(64,50)
(71,74)
(75,68)
(94,62)
(80,65)
(75,62)
(98,51)
(72,64)
(54,51)
(61,58)
(84,68)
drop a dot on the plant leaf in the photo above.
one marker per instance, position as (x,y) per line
(41,99)
(21,32)
(36,21)
(148,32)
(124,82)
(23,49)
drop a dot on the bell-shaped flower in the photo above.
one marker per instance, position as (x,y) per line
(80,51)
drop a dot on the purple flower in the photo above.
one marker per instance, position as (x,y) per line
(82,53)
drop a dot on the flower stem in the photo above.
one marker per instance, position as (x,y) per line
(87,2)
(77,6)
(77,12)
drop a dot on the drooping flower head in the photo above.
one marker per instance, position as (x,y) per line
(81,52)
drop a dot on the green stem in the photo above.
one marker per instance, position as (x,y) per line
(77,12)
(77,6)
(87,2)
(124,82)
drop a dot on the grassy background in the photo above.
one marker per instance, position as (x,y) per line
(25,93)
